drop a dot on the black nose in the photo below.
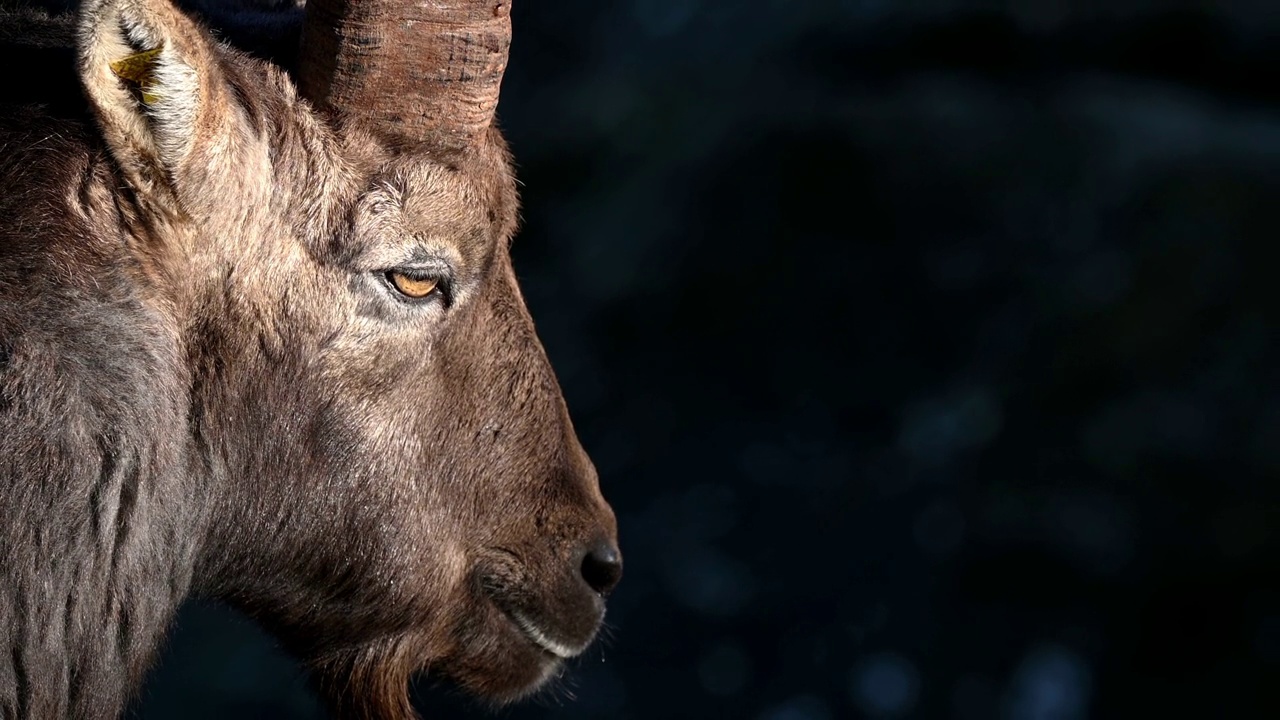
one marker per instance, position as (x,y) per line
(602,567)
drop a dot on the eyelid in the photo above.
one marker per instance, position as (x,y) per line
(418,273)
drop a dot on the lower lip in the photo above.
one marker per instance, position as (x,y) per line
(534,635)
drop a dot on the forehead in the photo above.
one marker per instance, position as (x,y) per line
(419,200)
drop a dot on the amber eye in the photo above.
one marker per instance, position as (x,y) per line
(412,287)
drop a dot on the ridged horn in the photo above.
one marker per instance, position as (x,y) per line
(416,72)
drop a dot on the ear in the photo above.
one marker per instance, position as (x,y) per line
(153,78)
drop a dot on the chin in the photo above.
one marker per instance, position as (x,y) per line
(503,641)
(502,659)
(490,657)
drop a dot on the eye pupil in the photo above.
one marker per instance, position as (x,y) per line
(411,286)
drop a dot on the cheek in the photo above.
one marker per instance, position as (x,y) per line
(421,551)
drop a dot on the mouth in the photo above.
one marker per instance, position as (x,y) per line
(539,637)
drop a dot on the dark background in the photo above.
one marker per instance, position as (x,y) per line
(927,351)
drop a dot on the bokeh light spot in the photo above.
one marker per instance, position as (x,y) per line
(886,685)
(1051,683)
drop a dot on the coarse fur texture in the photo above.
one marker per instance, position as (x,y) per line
(210,385)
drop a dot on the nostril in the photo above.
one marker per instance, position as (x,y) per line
(602,567)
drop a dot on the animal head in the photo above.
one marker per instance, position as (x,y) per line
(398,486)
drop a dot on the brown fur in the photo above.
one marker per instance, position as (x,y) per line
(208,387)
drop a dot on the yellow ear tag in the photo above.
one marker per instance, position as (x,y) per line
(136,70)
